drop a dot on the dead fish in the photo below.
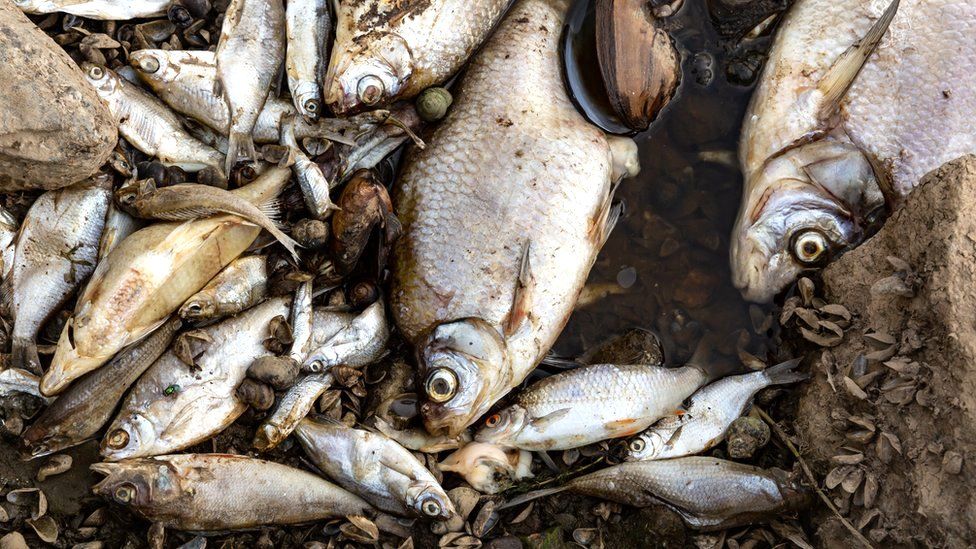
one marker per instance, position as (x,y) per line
(488,468)
(708,493)
(419,440)
(291,410)
(118,226)
(81,411)
(504,212)
(857,102)
(302,322)
(385,51)
(187,201)
(146,278)
(15,380)
(314,185)
(185,81)
(239,286)
(56,252)
(105,10)
(598,402)
(308,25)
(249,54)
(703,423)
(220,492)
(174,406)
(379,133)
(363,207)
(379,470)
(360,343)
(8,235)
(149,125)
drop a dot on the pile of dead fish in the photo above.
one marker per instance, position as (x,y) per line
(188,314)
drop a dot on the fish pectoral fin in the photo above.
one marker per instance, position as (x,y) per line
(540,423)
(272,208)
(624,427)
(844,71)
(522,296)
(189,416)
(400,468)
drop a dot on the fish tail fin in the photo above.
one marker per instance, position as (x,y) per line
(783,373)
(531,496)
(712,368)
(239,145)
(23,354)
(286,241)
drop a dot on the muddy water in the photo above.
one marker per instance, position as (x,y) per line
(665,266)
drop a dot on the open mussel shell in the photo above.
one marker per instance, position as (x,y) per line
(639,63)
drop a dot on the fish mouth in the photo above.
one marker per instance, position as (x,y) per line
(107,469)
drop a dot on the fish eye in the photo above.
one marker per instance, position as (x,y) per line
(194,308)
(312,106)
(494,420)
(441,385)
(38,449)
(370,89)
(149,64)
(96,72)
(431,508)
(810,247)
(117,439)
(637,445)
(125,493)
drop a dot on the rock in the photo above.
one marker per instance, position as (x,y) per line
(54,129)
(746,435)
(926,393)
(636,346)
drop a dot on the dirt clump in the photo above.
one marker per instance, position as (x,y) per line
(888,416)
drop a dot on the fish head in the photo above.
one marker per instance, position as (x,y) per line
(461,366)
(142,484)
(803,209)
(199,307)
(44,439)
(428,500)
(488,468)
(646,446)
(105,81)
(153,68)
(503,427)
(368,75)
(129,437)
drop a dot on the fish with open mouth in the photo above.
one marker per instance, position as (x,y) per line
(857,102)
(106,10)
(385,51)
(220,492)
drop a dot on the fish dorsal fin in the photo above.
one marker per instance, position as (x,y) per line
(522,296)
(844,71)
(541,423)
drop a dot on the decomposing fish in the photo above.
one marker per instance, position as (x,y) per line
(118,226)
(364,206)
(708,493)
(302,322)
(8,235)
(308,25)
(703,423)
(853,108)
(504,212)
(598,402)
(419,440)
(174,405)
(313,183)
(239,286)
(150,126)
(379,470)
(16,380)
(291,410)
(187,201)
(79,413)
(220,492)
(379,133)
(249,54)
(106,10)
(360,343)
(146,278)
(385,51)
(56,252)
(488,468)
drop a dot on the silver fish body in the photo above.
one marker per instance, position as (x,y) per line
(79,413)
(360,343)
(249,54)
(174,406)
(590,404)
(708,493)
(118,226)
(108,10)
(56,252)
(291,409)
(314,185)
(308,25)
(220,492)
(504,212)
(8,236)
(239,286)
(385,50)
(149,125)
(703,423)
(302,322)
(378,469)
(16,380)
(828,144)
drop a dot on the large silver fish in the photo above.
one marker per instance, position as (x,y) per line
(174,406)
(249,54)
(111,10)
(220,492)
(57,249)
(308,25)
(504,212)
(386,50)
(859,99)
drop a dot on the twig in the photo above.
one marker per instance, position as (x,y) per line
(813,480)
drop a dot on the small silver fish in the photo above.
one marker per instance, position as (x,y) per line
(703,423)
(308,25)
(220,492)
(8,235)
(118,226)
(381,471)
(15,380)
(249,54)
(313,183)
(360,343)
(302,320)
(105,10)
(238,287)
(291,409)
